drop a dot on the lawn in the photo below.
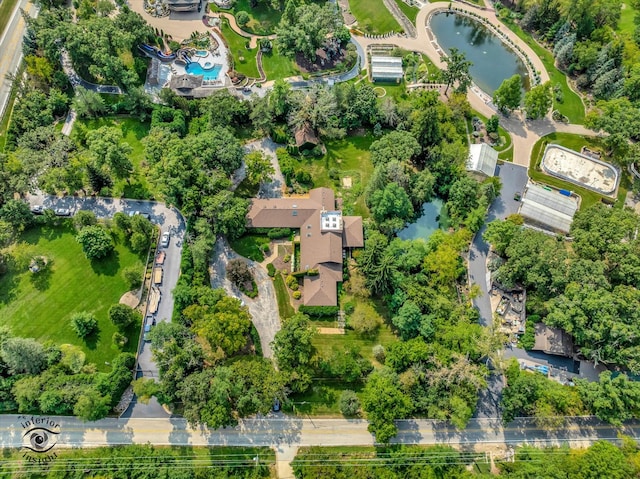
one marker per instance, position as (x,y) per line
(244,61)
(349,157)
(249,246)
(409,11)
(133,131)
(505,150)
(373,17)
(282,294)
(574,142)
(6,8)
(6,118)
(572,106)
(277,66)
(627,15)
(41,306)
(263,19)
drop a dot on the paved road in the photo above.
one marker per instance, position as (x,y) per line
(285,432)
(263,308)
(168,219)
(11,48)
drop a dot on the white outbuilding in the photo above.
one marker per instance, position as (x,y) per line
(482,159)
(385,68)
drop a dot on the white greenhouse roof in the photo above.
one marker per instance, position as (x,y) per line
(386,67)
(548,207)
(482,159)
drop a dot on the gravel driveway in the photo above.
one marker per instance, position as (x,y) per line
(263,308)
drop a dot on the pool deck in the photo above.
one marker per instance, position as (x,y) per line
(581,170)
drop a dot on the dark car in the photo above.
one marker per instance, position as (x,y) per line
(517,196)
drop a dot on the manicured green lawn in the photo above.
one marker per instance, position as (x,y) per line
(350,157)
(40,306)
(247,66)
(373,17)
(6,9)
(284,304)
(322,399)
(277,66)
(249,246)
(574,142)
(263,19)
(133,131)
(627,15)
(572,106)
(409,11)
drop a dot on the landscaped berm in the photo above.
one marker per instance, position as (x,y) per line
(39,305)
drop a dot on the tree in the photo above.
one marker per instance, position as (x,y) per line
(293,349)
(384,402)
(238,271)
(227,214)
(84,218)
(538,101)
(17,214)
(122,316)
(395,146)
(145,388)
(132,276)
(603,459)
(457,70)
(500,233)
(349,403)
(91,405)
(392,202)
(509,94)
(96,242)
(87,103)
(106,145)
(612,400)
(365,320)
(242,18)
(408,320)
(23,355)
(493,123)
(259,167)
(84,324)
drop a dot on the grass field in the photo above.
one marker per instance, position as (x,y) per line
(627,14)
(277,66)
(249,246)
(40,306)
(282,295)
(6,9)
(373,17)
(574,142)
(244,61)
(572,106)
(133,131)
(263,19)
(409,11)
(350,157)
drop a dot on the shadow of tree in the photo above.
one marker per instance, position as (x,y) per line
(108,266)
(42,279)
(92,340)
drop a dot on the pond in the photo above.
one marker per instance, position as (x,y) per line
(434,216)
(492,60)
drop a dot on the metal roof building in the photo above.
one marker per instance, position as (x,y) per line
(386,68)
(482,159)
(548,208)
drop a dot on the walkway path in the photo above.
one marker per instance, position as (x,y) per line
(253,38)
(263,308)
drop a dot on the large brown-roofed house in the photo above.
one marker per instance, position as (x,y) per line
(324,232)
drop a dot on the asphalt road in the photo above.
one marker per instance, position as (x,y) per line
(11,48)
(168,219)
(285,432)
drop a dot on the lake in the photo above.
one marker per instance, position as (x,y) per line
(492,60)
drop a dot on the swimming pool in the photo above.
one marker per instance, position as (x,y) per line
(209,74)
(202,53)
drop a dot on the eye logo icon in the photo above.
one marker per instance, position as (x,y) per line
(40,439)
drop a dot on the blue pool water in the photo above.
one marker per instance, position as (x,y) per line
(202,53)
(196,69)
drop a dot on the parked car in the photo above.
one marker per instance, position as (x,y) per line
(62,212)
(145,336)
(517,196)
(37,209)
(276,405)
(164,240)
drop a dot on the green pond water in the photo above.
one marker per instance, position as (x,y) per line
(434,217)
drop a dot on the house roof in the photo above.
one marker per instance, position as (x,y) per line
(352,236)
(306,135)
(186,82)
(320,246)
(553,341)
(482,159)
(548,208)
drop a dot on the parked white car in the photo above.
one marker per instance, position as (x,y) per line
(164,240)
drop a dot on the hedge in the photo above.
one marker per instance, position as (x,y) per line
(276,233)
(271,270)
(319,311)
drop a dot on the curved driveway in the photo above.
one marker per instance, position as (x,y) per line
(169,219)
